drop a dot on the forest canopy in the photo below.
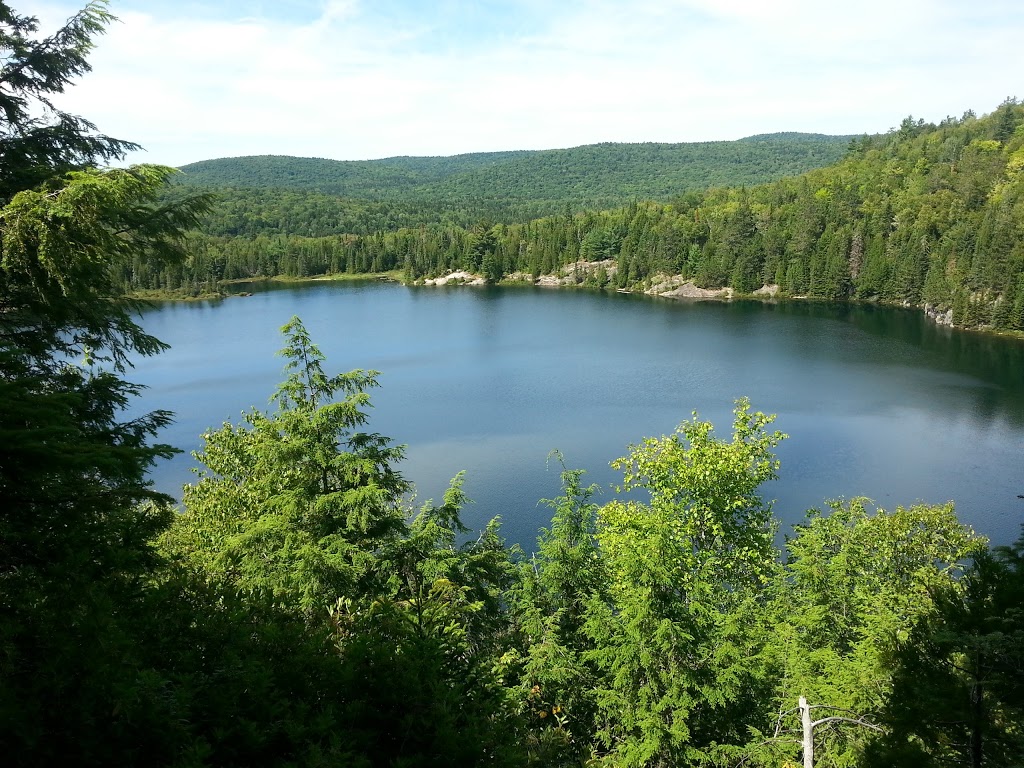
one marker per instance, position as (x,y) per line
(298,611)
(500,186)
(927,215)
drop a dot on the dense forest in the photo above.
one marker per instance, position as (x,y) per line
(926,215)
(297,611)
(314,197)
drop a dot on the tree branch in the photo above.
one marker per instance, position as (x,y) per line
(855,721)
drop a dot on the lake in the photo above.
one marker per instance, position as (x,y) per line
(877,401)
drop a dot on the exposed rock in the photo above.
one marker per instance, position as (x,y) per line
(553,281)
(938,316)
(662,283)
(767,290)
(460,278)
(571,274)
(519,277)
(577,273)
(690,291)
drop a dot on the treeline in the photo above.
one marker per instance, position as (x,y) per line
(307,196)
(927,214)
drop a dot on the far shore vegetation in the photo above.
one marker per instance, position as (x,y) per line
(927,215)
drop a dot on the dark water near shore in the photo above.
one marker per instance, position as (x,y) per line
(877,401)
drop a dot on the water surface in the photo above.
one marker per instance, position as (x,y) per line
(877,401)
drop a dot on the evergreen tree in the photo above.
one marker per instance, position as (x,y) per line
(562,578)
(293,504)
(77,512)
(299,520)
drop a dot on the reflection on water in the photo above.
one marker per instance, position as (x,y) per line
(878,401)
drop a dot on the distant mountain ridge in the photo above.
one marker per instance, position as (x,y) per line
(604,173)
(347,178)
(795,135)
(504,186)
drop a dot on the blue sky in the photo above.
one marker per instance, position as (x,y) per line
(363,79)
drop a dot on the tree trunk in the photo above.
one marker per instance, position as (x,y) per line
(977,722)
(805,719)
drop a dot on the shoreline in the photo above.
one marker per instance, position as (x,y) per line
(669,287)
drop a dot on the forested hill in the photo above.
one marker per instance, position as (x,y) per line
(388,177)
(924,215)
(498,186)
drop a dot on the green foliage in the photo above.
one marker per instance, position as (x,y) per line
(77,512)
(555,587)
(704,504)
(680,569)
(63,243)
(298,518)
(500,186)
(854,585)
(294,503)
(959,673)
(294,614)
(37,140)
(433,648)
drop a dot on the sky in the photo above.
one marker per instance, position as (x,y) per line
(366,79)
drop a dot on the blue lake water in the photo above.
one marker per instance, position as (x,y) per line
(877,401)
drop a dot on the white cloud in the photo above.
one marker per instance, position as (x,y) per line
(361,80)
